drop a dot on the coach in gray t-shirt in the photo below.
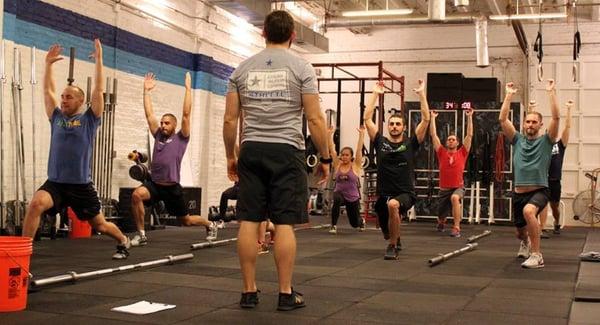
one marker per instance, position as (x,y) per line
(273,88)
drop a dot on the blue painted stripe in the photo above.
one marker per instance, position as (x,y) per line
(30,34)
(69,22)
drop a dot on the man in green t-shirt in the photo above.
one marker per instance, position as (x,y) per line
(531,159)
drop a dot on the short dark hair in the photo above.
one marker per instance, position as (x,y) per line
(396,115)
(279,26)
(171,116)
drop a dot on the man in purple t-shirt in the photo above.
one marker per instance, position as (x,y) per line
(169,148)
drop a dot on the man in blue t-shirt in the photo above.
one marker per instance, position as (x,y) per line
(73,129)
(531,159)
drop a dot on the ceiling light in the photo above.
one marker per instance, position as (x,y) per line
(529,16)
(365,13)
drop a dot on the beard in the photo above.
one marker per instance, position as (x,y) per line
(531,132)
(166,132)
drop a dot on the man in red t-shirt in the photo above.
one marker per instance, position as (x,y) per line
(451,160)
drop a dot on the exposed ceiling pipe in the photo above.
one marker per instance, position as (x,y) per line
(481,43)
(437,10)
(368,22)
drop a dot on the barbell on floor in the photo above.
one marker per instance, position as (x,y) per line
(214,243)
(444,257)
(476,237)
(74,276)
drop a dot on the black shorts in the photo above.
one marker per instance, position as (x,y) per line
(555,189)
(82,198)
(445,200)
(407,200)
(272,179)
(171,195)
(539,198)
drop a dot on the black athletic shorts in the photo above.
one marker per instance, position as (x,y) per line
(407,200)
(171,195)
(272,179)
(539,198)
(555,189)
(82,198)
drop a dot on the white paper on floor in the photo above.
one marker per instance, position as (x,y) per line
(143,307)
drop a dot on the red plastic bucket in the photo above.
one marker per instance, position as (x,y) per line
(78,228)
(15,253)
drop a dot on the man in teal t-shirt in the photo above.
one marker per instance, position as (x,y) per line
(531,160)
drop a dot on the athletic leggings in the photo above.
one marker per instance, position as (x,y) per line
(229,194)
(352,210)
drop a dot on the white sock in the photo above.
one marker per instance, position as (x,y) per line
(142,233)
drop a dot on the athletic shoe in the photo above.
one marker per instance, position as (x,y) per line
(122,251)
(290,301)
(211,231)
(333,230)
(391,253)
(556,230)
(263,248)
(139,240)
(455,232)
(249,299)
(363,225)
(544,234)
(441,224)
(524,249)
(535,261)
(220,224)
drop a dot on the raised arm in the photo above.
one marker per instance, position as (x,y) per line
(507,127)
(50,100)
(469,137)
(359,145)
(230,130)
(370,110)
(433,132)
(554,109)
(332,152)
(565,134)
(98,92)
(187,106)
(421,129)
(149,84)
(318,129)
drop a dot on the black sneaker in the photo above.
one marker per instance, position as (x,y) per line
(556,230)
(249,299)
(391,253)
(290,301)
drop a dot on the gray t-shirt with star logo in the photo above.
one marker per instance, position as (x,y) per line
(270,85)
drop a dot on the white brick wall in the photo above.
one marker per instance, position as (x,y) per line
(204,162)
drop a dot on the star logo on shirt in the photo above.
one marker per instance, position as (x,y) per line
(254,81)
(269,62)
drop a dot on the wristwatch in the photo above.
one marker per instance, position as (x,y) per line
(326,160)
